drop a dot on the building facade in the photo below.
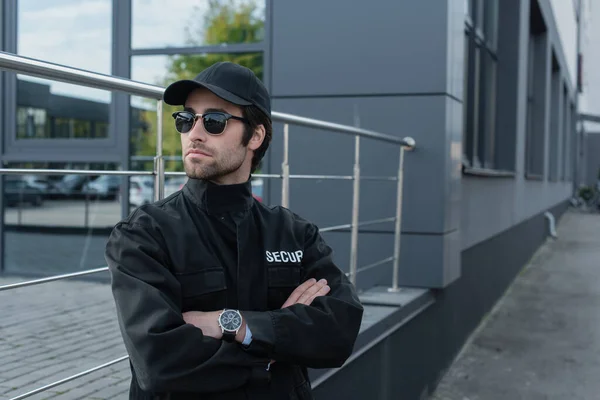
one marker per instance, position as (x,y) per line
(489,89)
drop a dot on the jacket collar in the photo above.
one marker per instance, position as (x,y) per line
(217,199)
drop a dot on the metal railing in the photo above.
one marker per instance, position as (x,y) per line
(32,67)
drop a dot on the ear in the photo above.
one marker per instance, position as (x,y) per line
(257,138)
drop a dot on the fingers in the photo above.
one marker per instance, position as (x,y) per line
(187,317)
(293,299)
(312,292)
(322,292)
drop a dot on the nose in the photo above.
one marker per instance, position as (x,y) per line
(197,132)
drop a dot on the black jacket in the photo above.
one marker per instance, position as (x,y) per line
(209,247)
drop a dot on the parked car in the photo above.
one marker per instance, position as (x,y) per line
(257,188)
(103,187)
(72,185)
(174,184)
(141,190)
(40,182)
(19,191)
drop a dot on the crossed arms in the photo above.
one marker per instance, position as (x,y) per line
(316,327)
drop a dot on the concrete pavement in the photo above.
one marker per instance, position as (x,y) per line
(542,341)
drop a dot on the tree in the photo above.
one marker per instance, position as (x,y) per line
(225,22)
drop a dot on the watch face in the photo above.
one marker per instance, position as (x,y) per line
(230,320)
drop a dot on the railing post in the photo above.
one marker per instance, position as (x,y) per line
(355,208)
(86,219)
(159,162)
(285,169)
(410,144)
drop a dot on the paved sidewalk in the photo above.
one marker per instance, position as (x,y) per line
(55,330)
(543,339)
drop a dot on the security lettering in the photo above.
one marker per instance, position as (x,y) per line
(284,256)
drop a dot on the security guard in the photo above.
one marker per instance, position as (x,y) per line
(219,296)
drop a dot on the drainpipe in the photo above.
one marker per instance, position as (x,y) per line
(551,224)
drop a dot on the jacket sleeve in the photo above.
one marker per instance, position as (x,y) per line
(321,335)
(166,353)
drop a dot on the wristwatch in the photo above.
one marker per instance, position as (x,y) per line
(230,322)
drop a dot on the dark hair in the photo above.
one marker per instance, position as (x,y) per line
(255,118)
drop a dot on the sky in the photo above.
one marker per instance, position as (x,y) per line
(77,33)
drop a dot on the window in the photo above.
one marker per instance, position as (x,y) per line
(566,145)
(481,59)
(37,207)
(555,120)
(195,23)
(63,32)
(537,72)
(31,123)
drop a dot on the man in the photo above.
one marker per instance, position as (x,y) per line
(219,296)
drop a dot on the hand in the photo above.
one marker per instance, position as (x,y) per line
(207,322)
(307,292)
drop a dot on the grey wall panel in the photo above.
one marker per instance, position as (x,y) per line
(593,159)
(455,52)
(342,47)
(429,260)
(425,186)
(372,248)
(452,174)
(491,206)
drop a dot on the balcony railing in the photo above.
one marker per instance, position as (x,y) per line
(37,68)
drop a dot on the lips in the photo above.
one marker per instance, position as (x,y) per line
(195,151)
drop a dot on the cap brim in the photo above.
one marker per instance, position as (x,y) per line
(177,93)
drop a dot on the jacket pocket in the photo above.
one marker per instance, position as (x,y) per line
(281,281)
(203,290)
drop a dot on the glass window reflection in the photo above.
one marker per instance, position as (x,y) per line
(196,22)
(63,32)
(66,218)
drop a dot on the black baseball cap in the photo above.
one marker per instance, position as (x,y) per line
(232,82)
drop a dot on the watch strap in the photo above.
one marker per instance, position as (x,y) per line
(229,336)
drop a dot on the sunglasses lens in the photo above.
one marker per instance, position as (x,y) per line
(184,122)
(214,123)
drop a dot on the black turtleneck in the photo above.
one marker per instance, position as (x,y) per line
(218,199)
(229,205)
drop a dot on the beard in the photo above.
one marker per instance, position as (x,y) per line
(215,167)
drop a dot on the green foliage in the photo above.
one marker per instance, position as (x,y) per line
(586,193)
(225,22)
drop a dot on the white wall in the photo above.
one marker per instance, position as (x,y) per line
(566,21)
(590,47)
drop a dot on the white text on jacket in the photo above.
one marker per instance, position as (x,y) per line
(285,256)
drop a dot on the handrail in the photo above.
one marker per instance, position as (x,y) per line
(52,278)
(330,126)
(62,171)
(70,378)
(42,69)
(47,70)
(27,171)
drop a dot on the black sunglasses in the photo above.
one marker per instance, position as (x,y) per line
(214,122)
